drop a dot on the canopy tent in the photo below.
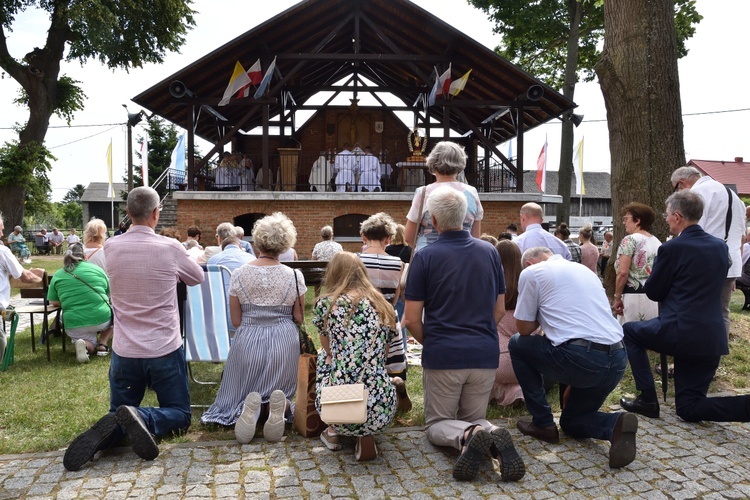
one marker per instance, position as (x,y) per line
(358,46)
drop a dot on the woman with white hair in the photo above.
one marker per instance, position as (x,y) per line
(446,161)
(82,290)
(17,244)
(94,235)
(266,298)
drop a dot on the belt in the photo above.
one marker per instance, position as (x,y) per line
(596,346)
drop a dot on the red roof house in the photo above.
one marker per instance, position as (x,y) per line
(735,172)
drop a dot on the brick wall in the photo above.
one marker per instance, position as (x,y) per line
(310,212)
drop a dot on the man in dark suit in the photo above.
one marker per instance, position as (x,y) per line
(686,280)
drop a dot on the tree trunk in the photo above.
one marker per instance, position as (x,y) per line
(567,134)
(640,83)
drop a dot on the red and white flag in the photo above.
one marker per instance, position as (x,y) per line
(541,167)
(256,75)
(444,82)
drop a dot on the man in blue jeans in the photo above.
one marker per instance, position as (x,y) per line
(581,347)
(143,269)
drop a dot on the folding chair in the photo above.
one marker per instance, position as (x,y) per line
(10,347)
(206,320)
(40,306)
(41,246)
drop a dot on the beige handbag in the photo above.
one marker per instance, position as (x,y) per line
(344,404)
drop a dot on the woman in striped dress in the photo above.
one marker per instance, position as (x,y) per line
(265,301)
(384,271)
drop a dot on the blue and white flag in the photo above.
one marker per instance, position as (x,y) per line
(177,161)
(266,80)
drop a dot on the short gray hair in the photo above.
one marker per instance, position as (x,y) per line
(448,206)
(142,201)
(326,232)
(688,203)
(446,158)
(239,231)
(229,241)
(684,173)
(534,253)
(225,230)
(274,234)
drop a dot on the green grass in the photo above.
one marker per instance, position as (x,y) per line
(43,406)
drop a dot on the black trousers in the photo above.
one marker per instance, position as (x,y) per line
(692,377)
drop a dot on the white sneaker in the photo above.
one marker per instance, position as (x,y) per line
(273,430)
(82,355)
(244,429)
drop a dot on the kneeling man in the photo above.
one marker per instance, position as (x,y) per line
(458,283)
(581,347)
(687,280)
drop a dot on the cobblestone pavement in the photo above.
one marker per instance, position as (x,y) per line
(675,460)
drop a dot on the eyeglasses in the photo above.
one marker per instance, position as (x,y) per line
(626,218)
(667,214)
(676,187)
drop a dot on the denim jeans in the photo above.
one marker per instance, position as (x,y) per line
(167,376)
(591,374)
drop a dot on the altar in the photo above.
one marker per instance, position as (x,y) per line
(412,174)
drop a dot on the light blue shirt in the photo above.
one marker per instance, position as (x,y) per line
(247,247)
(535,236)
(232,257)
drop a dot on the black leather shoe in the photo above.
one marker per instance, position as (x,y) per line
(549,434)
(622,451)
(640,406)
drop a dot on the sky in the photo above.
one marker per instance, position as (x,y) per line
(712,77)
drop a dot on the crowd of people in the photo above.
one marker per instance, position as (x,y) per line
(497,318)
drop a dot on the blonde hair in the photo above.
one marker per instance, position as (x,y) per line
(400,237)
(94,232)
(274,234)
(346,275)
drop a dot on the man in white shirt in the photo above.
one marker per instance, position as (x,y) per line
(73,237)
(716,206)
(587,355)
(534,235)
(56,241)
(9,266)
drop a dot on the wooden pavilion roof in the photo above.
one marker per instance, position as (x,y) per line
(372,46)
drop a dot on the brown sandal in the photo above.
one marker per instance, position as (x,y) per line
(366,449)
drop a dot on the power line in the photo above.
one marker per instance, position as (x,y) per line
(72,126)
(84,138)
(684,114)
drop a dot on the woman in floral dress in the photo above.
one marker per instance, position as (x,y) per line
(356,323)
(635,259)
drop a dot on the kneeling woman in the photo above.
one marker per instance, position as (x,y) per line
(356,323)
(82,290)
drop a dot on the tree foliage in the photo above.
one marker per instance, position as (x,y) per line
(535,34)
(120,34)
(162,139)
(74,194)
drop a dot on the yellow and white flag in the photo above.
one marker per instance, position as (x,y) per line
(110,188)
(238,80)
(459,84)
(578,168)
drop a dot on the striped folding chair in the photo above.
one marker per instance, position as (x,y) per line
(206,320)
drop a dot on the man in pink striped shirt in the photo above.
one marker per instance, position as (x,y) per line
(143,269)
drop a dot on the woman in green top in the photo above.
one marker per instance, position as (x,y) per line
(82,290)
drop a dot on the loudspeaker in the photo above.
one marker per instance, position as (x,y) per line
(134,118)
(177,89)
(534,93)
(576,119)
